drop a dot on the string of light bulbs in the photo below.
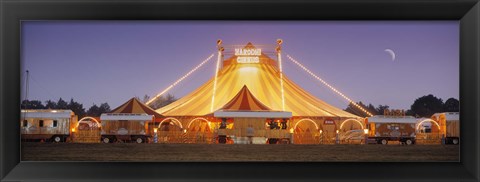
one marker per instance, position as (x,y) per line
(179,80)
(328,85)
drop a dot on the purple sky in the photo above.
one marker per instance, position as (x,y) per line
(112,61)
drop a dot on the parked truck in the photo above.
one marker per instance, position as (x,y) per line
(46,124)
(125,127)
(382,129)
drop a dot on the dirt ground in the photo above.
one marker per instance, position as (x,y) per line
(219,152)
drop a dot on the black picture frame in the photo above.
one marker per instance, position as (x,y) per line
(14,11)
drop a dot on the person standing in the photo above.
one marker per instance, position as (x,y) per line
(250,133)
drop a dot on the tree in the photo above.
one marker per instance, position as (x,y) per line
(77,108)
(372,109)
(355,110)
(50,104)
(145,98)
(426,106)
(161,101)
(104,108)
(32,104)
(381,108)
(94,111)
(61,104)
(409,113)
(451,105)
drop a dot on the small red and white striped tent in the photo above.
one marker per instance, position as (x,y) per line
(134,106)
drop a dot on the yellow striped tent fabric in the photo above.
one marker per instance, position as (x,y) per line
(263,81)
(134,106)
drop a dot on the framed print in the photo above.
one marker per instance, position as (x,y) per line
(270,90)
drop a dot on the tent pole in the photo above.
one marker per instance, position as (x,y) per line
(279,55)
(219,57)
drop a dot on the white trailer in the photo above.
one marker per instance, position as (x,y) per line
(392,128)
(46,124)
(125,126)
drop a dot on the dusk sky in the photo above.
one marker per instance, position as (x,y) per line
(113,61)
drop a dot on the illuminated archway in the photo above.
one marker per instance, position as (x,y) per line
(203,119)
(341,126)
(306,119)
(172,119)
(427,120)
(85,118)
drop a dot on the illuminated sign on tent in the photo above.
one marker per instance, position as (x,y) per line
(248,52)
(248,55)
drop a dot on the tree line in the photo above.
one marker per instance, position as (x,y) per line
(95,110)
(77,108)
(424,106)
(161,101)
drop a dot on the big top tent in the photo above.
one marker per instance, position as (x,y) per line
(263,80)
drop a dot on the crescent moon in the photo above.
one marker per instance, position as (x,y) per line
(391,53)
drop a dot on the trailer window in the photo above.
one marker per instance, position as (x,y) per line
(393,127)
(25,123)
(55,123)
(40,123)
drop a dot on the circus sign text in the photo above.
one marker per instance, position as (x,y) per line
(248,55)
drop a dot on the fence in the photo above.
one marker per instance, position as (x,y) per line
(211,137)
(428,139)
(87,136)
(181,137)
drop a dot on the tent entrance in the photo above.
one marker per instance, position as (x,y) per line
(199,131)
(306,131)
(168,132)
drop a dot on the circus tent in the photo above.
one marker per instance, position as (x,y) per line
(263,81)
(134,106)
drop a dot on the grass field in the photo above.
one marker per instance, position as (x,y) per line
(218,152)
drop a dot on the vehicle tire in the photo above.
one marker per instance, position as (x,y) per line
(139,140)
(222,139)
(408,142)
(57,139)
(384,141)
(106,140)
(455,141)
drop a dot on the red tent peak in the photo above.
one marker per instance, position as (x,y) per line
(133,105)
(245,101)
